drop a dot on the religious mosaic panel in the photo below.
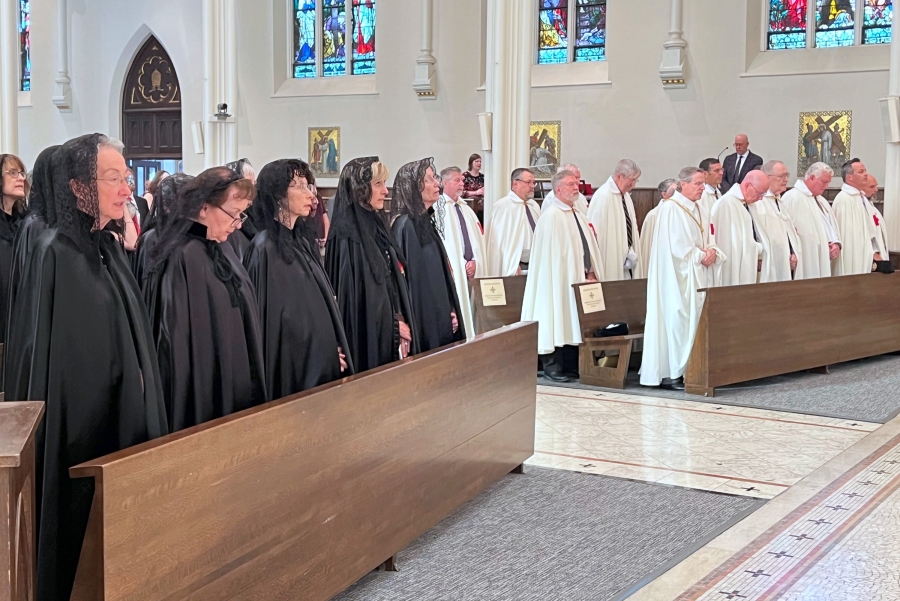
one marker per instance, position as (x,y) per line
(325,151)
(824,137)
(545,148)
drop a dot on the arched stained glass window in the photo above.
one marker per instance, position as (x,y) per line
(321,46)
(558,19)
(24,45)
(828,23)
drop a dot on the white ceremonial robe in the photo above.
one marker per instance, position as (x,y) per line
(581,203)
(673,303)
(778,238)
(508,234)
(558,263)
(709,198)
(647,235)
(607,216)
(860,225)
(734,235)
(813,221)
(455,246)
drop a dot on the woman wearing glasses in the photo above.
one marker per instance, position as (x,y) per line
(15,189)
(203,306)
(303,335)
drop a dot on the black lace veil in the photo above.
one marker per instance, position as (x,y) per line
(407,198)
(164,200)
(41,198)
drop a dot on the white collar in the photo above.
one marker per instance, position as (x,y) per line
(709,189)
(850,190)
(612,185)
(683,200)
(736,192)
(556,202)
(515,197)
(744,155)
(452,201)
(801,185)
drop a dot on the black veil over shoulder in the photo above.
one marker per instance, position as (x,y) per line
(355,219)
(165,200)
(407,199)
(41,200)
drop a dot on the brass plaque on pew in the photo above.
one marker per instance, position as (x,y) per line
(493,293)
(592,300)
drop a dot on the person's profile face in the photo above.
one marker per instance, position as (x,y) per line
(431,189)
(379,192)
(568,190)
(221,221)
(300,196)
(523,186)
(693,189)
(112,186)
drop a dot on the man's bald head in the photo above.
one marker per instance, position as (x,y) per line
(754,186)
(741,143)
(871,187)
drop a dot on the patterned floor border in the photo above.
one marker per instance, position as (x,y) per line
(769,566)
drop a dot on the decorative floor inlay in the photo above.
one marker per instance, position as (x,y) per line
(737,450)
(843,544)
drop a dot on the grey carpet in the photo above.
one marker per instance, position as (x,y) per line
(865,390)
(554,535)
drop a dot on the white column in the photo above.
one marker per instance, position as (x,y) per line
(424,82)
(9,77)
(892,168)
(220,80)
(62,95)
(671,71)
(510,54)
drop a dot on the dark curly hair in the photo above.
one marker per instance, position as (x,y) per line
(271,204)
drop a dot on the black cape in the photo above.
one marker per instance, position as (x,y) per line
(88,351)
(145,244)
(210,350)
(241,238)
(431,287)
(8,226)
(301,323)
(143,208)
(369,307)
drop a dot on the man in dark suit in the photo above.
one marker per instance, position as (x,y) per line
(739,164)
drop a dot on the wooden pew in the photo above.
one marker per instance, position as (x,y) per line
(626,301)
(299,498)
(493,317)
(18,552)
(762,330)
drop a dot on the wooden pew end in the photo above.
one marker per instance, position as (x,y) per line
(592,373)
(700,390)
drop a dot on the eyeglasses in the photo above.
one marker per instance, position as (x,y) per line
(527,183)
(116,182)
(240,219)
(16,174)
(783,175)
(309,187)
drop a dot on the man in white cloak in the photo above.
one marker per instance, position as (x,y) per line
(820,241)
(463,240)
(666,191)
(581,203)
(860,224)
(679,267)
(565,253)
(511,228)
(781,245)
(611,214)
(714,173)
(737,234)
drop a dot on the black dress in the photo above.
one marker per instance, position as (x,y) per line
(88,351)
(371,292)
(301,323)
(431,287)
(8,226)
(206,326)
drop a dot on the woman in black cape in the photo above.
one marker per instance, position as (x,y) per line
(163,205)
(303,334)
(240,238)
(90,354)
(14,189)
(365,269)
(431,286)
(203,306)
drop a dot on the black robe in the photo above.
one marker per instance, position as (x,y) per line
(8,226)
(145,244)
(143,208)
(240,238)
(431,287)
(86,349)
(210,350)
(301,324)
(368,307)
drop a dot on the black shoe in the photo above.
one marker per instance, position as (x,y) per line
(557,376)
(676,384)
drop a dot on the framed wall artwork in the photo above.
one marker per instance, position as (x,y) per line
(824,136)
(325,151)
(545,148)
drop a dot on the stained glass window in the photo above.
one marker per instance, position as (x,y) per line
(334,34)
(835,23)
(787,24)
(304,38)
(25,45)
(553,32)
(363,37)
(877,22)
(590,28)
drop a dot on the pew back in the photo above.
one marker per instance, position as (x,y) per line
(626,301)
(493,317)
(761,330)
(299,498)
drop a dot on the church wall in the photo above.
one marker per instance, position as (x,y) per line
(633,116)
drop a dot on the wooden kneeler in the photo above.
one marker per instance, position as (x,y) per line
(592,373)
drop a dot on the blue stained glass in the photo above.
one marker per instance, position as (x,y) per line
(553,35)
(834,23)
(334,37)
(787,24)
(304,38)
(24,27)
(363,37)
(590,28)
(877,22)
(787,41)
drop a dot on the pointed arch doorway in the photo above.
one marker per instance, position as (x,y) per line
(151,114)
